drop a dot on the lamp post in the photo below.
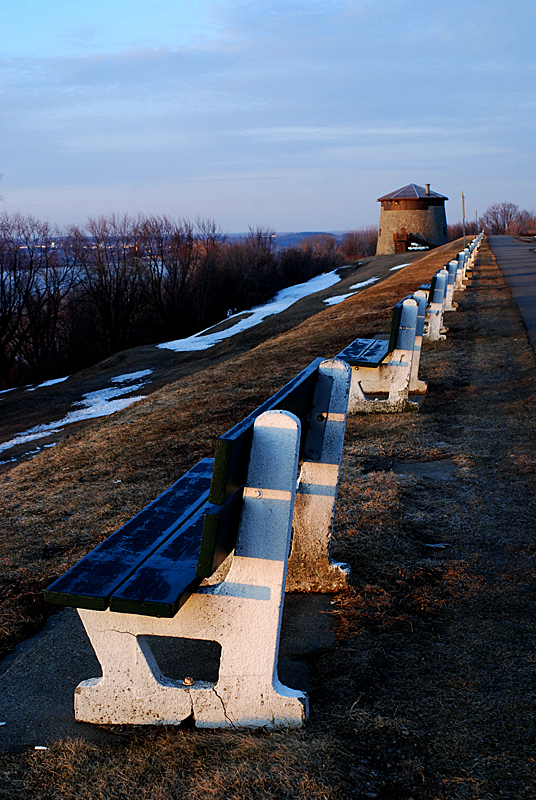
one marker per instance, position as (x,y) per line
(463,219)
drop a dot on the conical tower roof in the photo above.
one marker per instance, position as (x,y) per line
(411,192)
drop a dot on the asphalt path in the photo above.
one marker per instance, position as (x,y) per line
(517,261)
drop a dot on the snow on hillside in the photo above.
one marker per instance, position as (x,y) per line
(333,301)
(100,403)
(110,399)
(254,316)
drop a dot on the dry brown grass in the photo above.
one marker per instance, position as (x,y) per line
(58,506)
(429,692)
(171,765)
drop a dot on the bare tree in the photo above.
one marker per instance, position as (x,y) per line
(110,258)
(456,230)
(320,245)
(20,251)
(360,243)
(43,345)
(170,255)
(206,298)
(503,218)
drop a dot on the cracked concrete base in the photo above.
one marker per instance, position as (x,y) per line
(379,404)
(38,680)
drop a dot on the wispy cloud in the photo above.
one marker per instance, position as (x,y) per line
(330,102)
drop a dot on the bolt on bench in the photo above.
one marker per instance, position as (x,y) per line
(149,578)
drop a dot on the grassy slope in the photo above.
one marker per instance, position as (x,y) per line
(21,409)
(428,691)
(62,503)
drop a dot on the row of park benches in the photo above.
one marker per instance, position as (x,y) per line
(211,557)
(385,370)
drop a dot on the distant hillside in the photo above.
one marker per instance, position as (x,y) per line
(290,239)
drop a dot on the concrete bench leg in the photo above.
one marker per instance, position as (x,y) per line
(434,317)
(242,613)
(416,385)
(462,265)
(434,330)
(452,269)
(392,379)
(310,567)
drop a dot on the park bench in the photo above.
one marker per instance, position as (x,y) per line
(466,259)
(434,329)
(157,575)
(440,291)
(457,271)
(383,366)
(416,385)
(453,267)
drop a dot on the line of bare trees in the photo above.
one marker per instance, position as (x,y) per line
(71,298)
(499,219)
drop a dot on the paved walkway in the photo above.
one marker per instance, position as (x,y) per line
(517,262)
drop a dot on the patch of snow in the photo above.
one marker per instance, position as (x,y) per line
(364,283)
(37,432)
(333,301)
(5,391)
(282,300)
(132,376)
(48,383)
(400,266)
(100,403)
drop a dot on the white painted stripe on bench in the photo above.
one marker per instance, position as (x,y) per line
(333,417)
(267,494)
(316,473)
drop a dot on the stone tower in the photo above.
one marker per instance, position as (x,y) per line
(411,215)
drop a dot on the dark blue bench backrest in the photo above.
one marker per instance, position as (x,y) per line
(403,325)
(233,448)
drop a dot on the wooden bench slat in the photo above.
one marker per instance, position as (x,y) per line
(91,582)
(371,352)
(365,352)
(164,582)
(157,586)
(220,528)
(233,447)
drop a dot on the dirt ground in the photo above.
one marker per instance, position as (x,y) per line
(429,690)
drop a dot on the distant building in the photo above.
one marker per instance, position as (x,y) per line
(412,217)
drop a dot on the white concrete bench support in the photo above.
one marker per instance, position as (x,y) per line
(391,377)
(242,613)
(434,330)
(462,264)
(310,567)
(452,271)
(416,385)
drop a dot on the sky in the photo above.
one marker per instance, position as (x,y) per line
(294,115)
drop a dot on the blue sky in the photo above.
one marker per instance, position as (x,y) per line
(294,114)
